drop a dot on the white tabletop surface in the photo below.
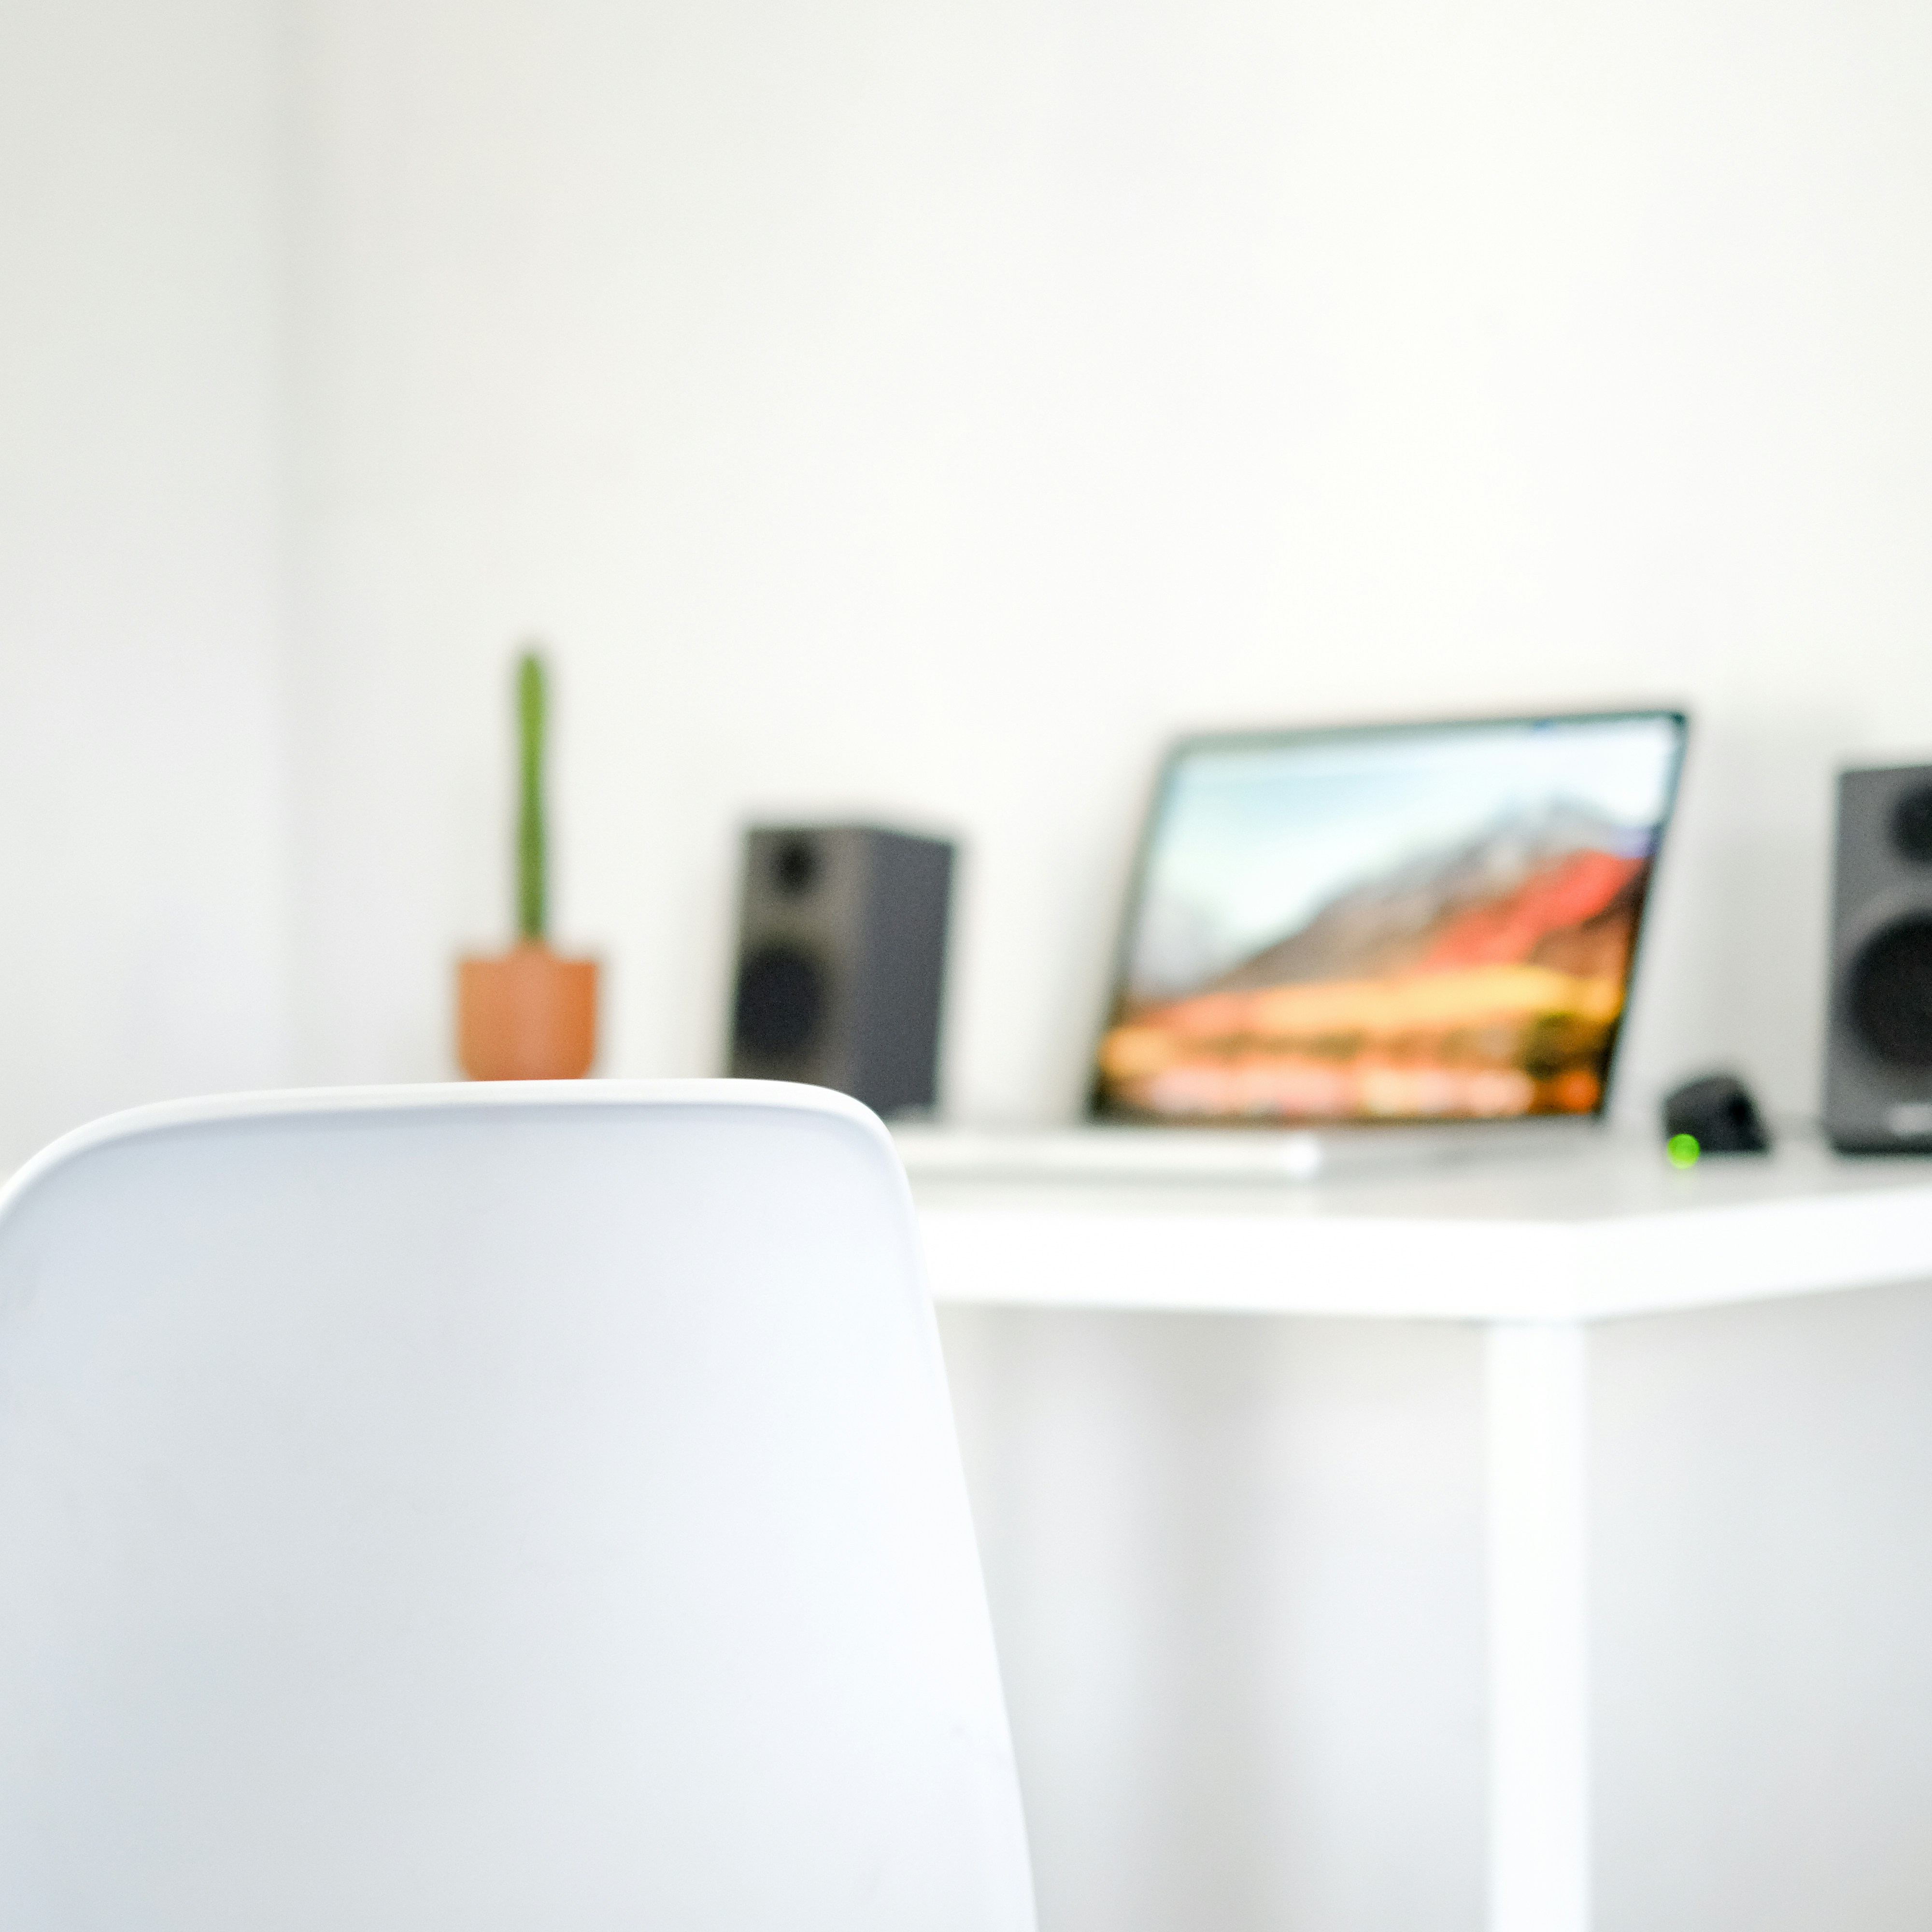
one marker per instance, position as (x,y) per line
(1604,1230)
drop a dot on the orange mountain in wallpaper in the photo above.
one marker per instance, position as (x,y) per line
(1550,911)
(1486,982)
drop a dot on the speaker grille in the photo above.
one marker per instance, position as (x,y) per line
(1891,992)
(781,1001)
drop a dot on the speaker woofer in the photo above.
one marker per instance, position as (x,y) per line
(1890,992)
(781,1001)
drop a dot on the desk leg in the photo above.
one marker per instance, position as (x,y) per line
(1539,1636)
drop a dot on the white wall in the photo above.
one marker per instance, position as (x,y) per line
(141,857)
(929,409)
(1762,1587)
(1236,1572)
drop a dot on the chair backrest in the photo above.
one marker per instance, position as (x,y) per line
(487,1507)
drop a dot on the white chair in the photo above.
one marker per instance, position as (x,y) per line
(488,1508)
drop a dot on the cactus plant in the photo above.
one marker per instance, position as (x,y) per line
(533,883)
(528,1014)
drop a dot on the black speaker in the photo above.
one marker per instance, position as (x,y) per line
(1878,1049)
(841,961)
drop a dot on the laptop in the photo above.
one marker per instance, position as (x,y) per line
(1347,944)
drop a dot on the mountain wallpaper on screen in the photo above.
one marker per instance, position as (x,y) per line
(1487,978)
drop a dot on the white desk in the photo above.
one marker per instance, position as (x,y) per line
(1536,1249)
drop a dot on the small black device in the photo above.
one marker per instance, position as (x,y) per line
(1878,1047)
(841,961)
(1714,1115)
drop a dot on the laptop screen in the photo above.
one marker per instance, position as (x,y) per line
(1397,922)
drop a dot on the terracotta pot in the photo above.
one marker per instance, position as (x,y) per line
(528,1015)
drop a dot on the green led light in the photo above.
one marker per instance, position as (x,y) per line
(1682,1149)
